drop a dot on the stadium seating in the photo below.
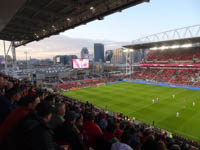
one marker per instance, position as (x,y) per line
(176,55)
(175,76)
(179,75)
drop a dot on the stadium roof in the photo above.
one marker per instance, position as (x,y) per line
(164,43)
(24,21)
(180,36)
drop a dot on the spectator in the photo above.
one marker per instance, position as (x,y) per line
(161,145)
(14,95)
(107,139)
(33,132)
(124,143)
(9,86)
(150,144)
(26,105)
(175,147)
(135,140)
(103,122)
(91,130)
(2,88)
(50,99)
(68,132)
(8,103)
(79,122)
(109,135)
(57,118)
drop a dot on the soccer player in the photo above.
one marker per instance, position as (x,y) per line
(157,99)
(173,96)
(193,104)
(153,101)
(177,114)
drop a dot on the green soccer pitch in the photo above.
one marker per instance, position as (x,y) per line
(137,100)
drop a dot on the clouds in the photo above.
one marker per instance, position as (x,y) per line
(60,45)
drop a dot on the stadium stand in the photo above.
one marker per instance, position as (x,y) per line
(176,55)
(179,76)
(182,73)
(83,126)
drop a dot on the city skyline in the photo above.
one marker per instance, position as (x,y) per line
(118,29)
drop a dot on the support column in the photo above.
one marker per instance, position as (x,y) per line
(13,54)
(5,57)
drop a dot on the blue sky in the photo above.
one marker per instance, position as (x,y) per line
(118,29)
(141,20)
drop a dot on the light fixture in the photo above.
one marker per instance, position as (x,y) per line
(68,19)
(174,46)
(128,50)
(91,8)
(154,48)
(163,47)
(186,45)
(37,36)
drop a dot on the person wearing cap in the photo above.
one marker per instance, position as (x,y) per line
(68,132)
(58,117)
(103,122)
(33,133)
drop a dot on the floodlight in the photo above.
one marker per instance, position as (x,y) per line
(186,45)
(128,50)
(154,48)
(91,8)
(174,46)
(164,47)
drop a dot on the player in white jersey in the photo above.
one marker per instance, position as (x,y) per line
(193,104)
(173,96)
(153,101)
(177,114)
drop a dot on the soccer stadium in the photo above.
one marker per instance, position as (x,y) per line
(142,96)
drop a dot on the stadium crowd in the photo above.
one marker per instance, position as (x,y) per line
(177,54)
(35,119)
(174,75)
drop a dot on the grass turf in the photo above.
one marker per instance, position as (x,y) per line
(136,100)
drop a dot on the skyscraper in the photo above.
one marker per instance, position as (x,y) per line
(84,53)
(108,55)
(119,57)
(64,59)
(98,52)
